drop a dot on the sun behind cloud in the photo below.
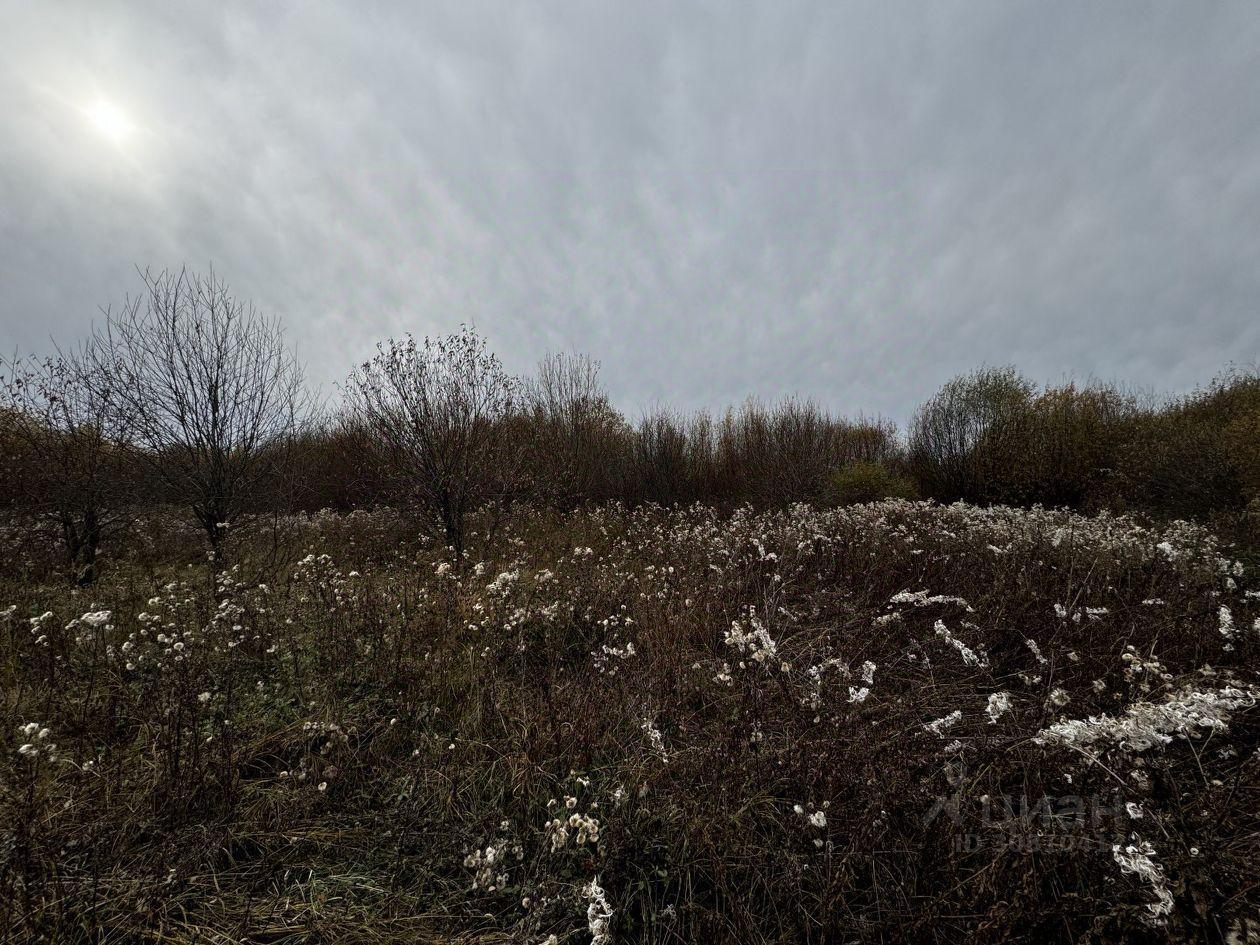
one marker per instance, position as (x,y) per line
(110,120)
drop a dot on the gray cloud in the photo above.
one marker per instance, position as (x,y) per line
(850,201)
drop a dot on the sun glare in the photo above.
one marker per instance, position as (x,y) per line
(110,121)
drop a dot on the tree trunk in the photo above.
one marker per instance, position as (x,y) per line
(452,528)
(212,523)
(91,540)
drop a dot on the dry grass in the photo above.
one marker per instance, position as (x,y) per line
(312,746)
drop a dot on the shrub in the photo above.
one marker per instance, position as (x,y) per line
(1198,454)
(992,436)
(967,442)
(864,481)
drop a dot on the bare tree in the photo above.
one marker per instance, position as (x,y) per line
(439,411)
(208,388)
(72,450)
(573,435)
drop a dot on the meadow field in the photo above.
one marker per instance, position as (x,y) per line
(894,721)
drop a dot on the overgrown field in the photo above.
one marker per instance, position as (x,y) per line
(889,722)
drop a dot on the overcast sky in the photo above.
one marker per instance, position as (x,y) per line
(850,201)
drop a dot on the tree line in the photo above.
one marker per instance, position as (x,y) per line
(187,395)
